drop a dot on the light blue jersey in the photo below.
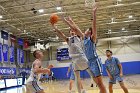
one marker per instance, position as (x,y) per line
(112,66)
(94,62)
(90,49)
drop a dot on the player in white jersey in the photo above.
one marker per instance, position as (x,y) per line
(32,84)
(79,60)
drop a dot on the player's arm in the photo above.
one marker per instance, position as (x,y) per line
(110,76)
(108,72)
(60,34)
(121,71)
(68,71)
(40,70)
(120,66)
(94,31)
(73,26)
(50,66)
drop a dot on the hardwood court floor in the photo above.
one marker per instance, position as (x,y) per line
(61,86)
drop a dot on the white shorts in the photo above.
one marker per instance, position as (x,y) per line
(80,62)
(34,86)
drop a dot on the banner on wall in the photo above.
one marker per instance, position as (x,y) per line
(27,70)
(7,71)
(5,52)
(11,54)
(26,44)
(63,54)
(20,41)
(13,38)
(0,52)
(20,56)
(4,35)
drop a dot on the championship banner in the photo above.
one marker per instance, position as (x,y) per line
(11,54)
(13,38)
(5,53)
(27,70)
(4,35)
(21,56)
(0,52)
(18,55)
(20,41)
(7,71)
(26,44)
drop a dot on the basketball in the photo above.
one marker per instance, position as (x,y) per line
(53,18)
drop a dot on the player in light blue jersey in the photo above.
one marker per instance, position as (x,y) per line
(114,71)
(72,78)
(90,38)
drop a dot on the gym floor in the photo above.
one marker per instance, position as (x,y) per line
(132,82)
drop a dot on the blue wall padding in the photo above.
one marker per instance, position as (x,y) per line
(128,68)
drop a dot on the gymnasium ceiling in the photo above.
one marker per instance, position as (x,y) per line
(114,17)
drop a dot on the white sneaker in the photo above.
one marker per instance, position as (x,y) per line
(69,91)
(84,91)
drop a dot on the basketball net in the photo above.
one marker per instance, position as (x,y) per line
(89,3)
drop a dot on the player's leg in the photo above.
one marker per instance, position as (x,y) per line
(120,80)
(77,80)
(123,87)
(70,85)
(37,88)
(28,90)
(110,88)
(100,84)
(82,88)
(96,76)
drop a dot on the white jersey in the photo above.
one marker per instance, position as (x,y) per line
(32,82)
(77,54)
(33,76)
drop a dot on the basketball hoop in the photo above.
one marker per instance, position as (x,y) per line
(89,3)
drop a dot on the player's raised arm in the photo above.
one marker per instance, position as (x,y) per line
(94,31)
(73,26)
(60,34)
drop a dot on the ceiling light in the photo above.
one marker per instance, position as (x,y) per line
(58,8)
(24,31)
(41,10)
(112,20)
(130,16)
(119,0)
(109,30)
(1,16)
(123,28)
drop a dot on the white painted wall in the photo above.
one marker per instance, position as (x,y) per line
(123,58)
(126,52)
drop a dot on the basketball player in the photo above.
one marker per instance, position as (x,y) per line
(90,39)
(114,71)
(72,78)
(32,85)
(79,60)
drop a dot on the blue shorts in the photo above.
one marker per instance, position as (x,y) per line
(95,65)
(116,77)
(72,77)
